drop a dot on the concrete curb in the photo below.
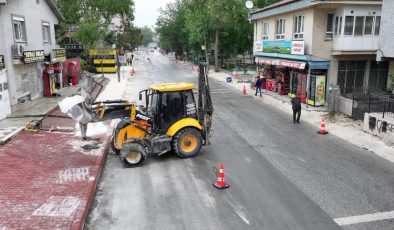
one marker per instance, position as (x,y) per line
(79,223)
(11,135)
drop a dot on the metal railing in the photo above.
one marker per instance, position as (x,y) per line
(368,101)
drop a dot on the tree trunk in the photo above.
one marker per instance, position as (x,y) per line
(217,50)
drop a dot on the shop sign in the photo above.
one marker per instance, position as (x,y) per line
(297,47)
(292,64)
(258,46)
(58,55)
(33,56)
(284,47)
(286,63)
(2,65)
(73,46)
(102,52)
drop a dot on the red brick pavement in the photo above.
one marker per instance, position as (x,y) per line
(47,180)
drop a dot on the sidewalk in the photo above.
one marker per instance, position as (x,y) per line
(47,179)
(338,125)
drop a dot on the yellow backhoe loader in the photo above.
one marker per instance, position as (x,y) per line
(171,119)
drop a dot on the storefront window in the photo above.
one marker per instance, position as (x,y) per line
(351,77)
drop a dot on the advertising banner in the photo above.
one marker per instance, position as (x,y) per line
(258,46)
(33,56)
(2,65)
(102,52)
(284,47)
(58,55)
(320,90)
(297,47)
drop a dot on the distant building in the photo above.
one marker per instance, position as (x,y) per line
(27,40)
(323,45)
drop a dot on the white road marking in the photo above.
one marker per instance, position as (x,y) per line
(73,175)
(239,212)
(364,218)
(58,206)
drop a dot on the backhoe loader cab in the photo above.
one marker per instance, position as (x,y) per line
(170,103)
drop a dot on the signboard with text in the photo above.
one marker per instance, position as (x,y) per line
(58,55)
(73,46)
(284,47)
(2,65)
(33,56)
(102,52)
(297,47)
(258,46)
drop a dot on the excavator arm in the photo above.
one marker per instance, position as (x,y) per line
(205,107)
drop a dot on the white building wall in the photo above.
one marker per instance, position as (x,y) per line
(25,79)
(387,29)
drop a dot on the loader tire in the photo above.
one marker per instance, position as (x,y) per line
(132,155)
(187,143)
(116,151)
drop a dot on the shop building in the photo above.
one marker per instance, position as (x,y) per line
(322,45)
(27,46)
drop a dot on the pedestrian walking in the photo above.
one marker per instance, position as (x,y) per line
(296,106)
(258,85)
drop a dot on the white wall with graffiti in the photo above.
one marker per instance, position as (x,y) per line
(375,124)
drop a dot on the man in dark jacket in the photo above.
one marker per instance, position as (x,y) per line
(296,105)
(258,85)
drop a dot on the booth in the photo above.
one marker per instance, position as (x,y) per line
(71,71)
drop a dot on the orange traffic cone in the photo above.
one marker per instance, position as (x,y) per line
(221,183)
(244,91)
(322,127)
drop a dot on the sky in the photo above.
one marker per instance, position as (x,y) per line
(146,11)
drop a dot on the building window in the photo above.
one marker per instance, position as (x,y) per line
(377,25)
(359,26)
(378,76)
(349,24)
(336,25)
(368,25)
(280,29)
(329,29)
(298,27)
(46,35)
(340,26)
(351,77)
(265,31)
(18,24)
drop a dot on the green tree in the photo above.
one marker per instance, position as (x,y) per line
(263,3)
(92,18)
(147,34)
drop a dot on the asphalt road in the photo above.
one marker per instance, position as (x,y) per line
(281,175)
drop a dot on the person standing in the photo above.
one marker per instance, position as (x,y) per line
(258,85)
(296,106)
